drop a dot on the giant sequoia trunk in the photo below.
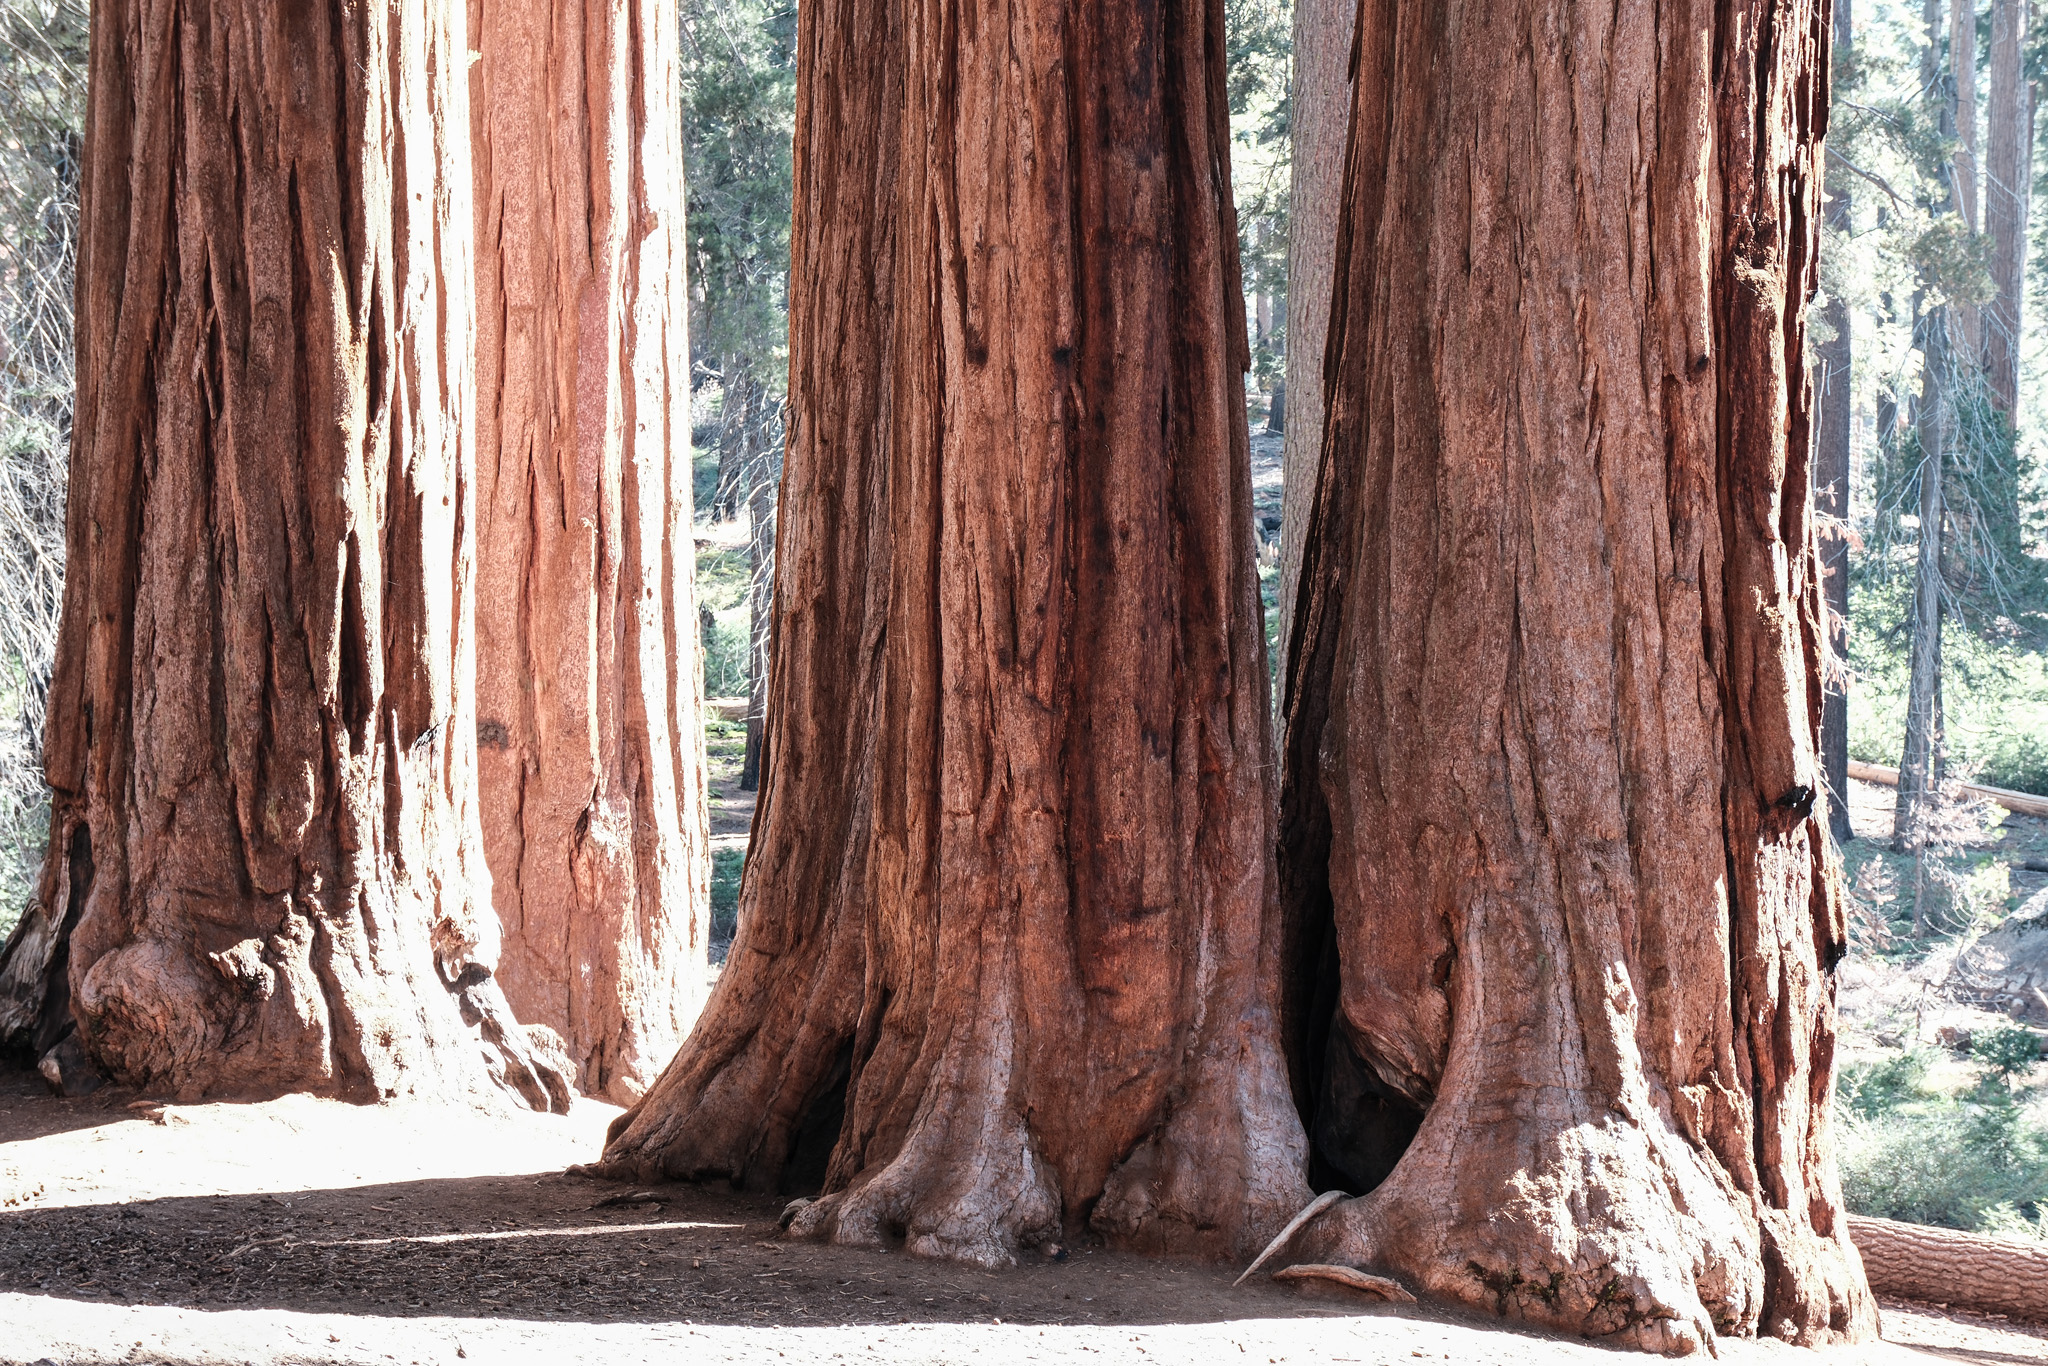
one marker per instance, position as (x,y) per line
(1006,961)
(591,764)
(265,873)
(1319,105)
(1554,699)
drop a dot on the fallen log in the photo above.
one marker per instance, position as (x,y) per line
(2024,803)
(727,708)
(1961,1270)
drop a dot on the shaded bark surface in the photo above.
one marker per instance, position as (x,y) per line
(591,754)
(1319,117)
(1554,698)
(1006,962)
(261,736)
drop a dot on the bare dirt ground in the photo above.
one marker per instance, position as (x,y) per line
(309,1231)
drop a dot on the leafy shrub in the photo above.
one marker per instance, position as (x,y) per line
(2008,1053)
(1976,1161)
(1875,1089)
(723,578)
(725,655)
(725,895)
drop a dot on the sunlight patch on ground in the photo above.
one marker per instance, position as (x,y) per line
(297,1143)
(66,1331)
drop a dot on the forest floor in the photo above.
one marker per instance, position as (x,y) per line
(310,1231)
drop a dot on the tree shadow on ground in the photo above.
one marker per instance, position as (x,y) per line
(28,1110)
(545,1247)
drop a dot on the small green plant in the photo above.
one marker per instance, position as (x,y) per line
(1972,1157)
(725,656)
(2008,1054)
(726,865)
(1876,1088)
(723,578)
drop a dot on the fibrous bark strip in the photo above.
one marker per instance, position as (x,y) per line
(591,754)
(1319,113)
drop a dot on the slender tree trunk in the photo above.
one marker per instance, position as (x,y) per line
(1320,117)
(1965,321)
(1831,460)
(1962,55)
(1005,949)
(1551,761)
(588,683)
(261,747)
(764,477)
(738,416)
(1933,423)
(2009,172)
(1920,763)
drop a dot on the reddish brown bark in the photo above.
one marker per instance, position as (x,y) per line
(591,762)
(261,738)
(1550,769)
(1966,321)
(1005,949)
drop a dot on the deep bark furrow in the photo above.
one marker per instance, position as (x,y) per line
(261,725)
(1010,858)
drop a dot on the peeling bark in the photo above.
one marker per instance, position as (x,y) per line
(1550,773)
(1005,947)
(591,754)
(261,735)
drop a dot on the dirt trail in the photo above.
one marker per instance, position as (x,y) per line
(308,1231)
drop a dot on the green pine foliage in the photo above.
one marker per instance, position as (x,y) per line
(739,114)
(1967,1153)
(1905,254)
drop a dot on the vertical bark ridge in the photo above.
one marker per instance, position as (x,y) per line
(591,761)
(1066,972)
(260,737)
(1553,706)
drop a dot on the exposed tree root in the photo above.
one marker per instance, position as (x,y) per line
(1313,1208)
(1386,1288)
